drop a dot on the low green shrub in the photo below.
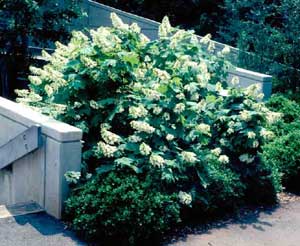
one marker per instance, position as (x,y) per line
(160,124)
(280,103)
(284,154)
(120,208)
(290,111)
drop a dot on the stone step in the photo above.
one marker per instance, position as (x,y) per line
(19,209)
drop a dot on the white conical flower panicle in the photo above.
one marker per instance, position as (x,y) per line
(216,151)
(156,160)
(185,198)
(235,81)
(109,137)
(205,39)
(246,158)
(225,50)
(106,150)
(165,27)
(145,149)
(251,135)
(223,159)
(179,108)
(170,137)
(137,112)
(117,22)
(189,157)
(142,126)
(203,128)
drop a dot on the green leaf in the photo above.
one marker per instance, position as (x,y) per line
(128,162)
(163,89)
(203,179)
(104,169)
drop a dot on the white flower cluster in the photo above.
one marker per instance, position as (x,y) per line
(273,117)
(230,131)
(157,110)
(165,28)
(142,126)
(180,96)
(211,46)
(151,94)
(195,97)
(189,157)
(134,139)
(251,135)
(255,144)
(36,80)
(245,115)
(135,28)
(223,159)
(163,75)
(203,79)
(246,158)
(107,150)
(137,112)
(254,91)
(216,151)
(225,50)
(109,137)
(94,104)
(88,62)
(170,137)
(49,90)
(268,135)
(203,128)
(179,35)
(166,116)
(218,87)
(179,108)
(185,198)
(145,149)
(117,22)
(235,81)
(103,38)
(157,160)
(205,39)
(72,177)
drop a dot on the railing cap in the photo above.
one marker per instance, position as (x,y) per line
(26,116)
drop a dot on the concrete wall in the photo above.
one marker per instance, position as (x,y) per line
(39,176)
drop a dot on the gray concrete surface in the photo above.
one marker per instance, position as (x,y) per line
(278,227)
(268,227)
(38,176)
(35,230)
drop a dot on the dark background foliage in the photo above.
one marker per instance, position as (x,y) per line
(25,23)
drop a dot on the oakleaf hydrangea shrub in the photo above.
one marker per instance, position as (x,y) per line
(158,118)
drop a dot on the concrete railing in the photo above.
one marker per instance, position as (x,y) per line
(38,176)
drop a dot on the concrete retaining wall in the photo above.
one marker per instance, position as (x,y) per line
(39,176)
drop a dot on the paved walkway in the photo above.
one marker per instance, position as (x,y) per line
(278,227)
(35,230)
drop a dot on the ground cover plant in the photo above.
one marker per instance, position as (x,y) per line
(166,137)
